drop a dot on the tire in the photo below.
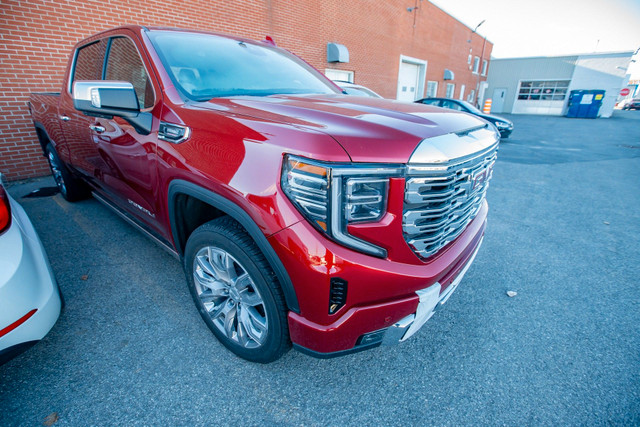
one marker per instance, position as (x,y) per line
(236,291)
(71,188)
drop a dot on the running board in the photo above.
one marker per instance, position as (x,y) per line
(136,225)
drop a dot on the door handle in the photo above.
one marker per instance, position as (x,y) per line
(97,128)
(65,118)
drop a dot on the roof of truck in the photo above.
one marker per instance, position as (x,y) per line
(142,28)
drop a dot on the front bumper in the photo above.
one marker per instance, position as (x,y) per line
(505,132)
(26,284)
(430,299)
(382,294)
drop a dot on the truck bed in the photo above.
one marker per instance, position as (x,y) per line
(44,112)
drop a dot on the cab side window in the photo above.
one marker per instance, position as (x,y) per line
(124,64)
(89,60)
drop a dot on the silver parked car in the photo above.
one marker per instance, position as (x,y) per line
(30,301)
(354,89)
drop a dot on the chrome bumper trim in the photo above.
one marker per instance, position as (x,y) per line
(430,300)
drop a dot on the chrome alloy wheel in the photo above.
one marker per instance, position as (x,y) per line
(230,297)
(57,172)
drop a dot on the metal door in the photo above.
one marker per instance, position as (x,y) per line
(129,174)
(76,126)
(497,105)
(408,82)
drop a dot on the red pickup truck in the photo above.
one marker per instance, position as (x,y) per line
(300,215)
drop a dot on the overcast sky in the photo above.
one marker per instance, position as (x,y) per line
(551,27)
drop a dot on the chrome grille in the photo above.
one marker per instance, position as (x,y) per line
(442,199)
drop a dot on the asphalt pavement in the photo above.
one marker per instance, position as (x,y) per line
(563,232)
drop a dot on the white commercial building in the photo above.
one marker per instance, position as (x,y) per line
(541,85)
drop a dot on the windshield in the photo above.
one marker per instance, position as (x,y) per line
(205,66)
(471,107)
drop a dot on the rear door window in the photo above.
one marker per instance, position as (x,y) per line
(124,64)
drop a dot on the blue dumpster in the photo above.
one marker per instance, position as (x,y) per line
(585,103)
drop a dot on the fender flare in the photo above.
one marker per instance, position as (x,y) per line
(179,186)
(40,127)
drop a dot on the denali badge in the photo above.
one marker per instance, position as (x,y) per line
(152,215)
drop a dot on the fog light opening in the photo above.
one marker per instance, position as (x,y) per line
(337,294)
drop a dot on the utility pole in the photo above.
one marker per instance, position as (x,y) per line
(484,42)
(475,101)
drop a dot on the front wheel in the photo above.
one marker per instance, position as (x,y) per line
(236,291)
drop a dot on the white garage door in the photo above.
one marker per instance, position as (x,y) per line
(541,97)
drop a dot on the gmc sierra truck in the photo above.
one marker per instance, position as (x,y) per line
(300,215)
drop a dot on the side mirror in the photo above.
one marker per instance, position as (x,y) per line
(111,98)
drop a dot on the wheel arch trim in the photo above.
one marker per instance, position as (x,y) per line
(179,186)
(40,127)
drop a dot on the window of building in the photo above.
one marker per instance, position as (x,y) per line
(124,63)
(461,97)
(469,59)
(476,65)
(472,95)
(485,63)
(340,75)
(450,90)
(543,90)
(432,89)
(89,62)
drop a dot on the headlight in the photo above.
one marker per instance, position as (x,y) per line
(502,125)
(307,186)
(331,196)
(365,199)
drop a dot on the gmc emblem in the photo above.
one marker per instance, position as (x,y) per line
(480,178)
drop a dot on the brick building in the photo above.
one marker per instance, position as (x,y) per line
(402,49)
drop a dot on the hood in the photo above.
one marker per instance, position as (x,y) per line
(369,129)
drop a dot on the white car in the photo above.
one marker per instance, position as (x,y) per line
(30,301)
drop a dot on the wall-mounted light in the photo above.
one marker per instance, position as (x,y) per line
(476,29)
(411,9)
